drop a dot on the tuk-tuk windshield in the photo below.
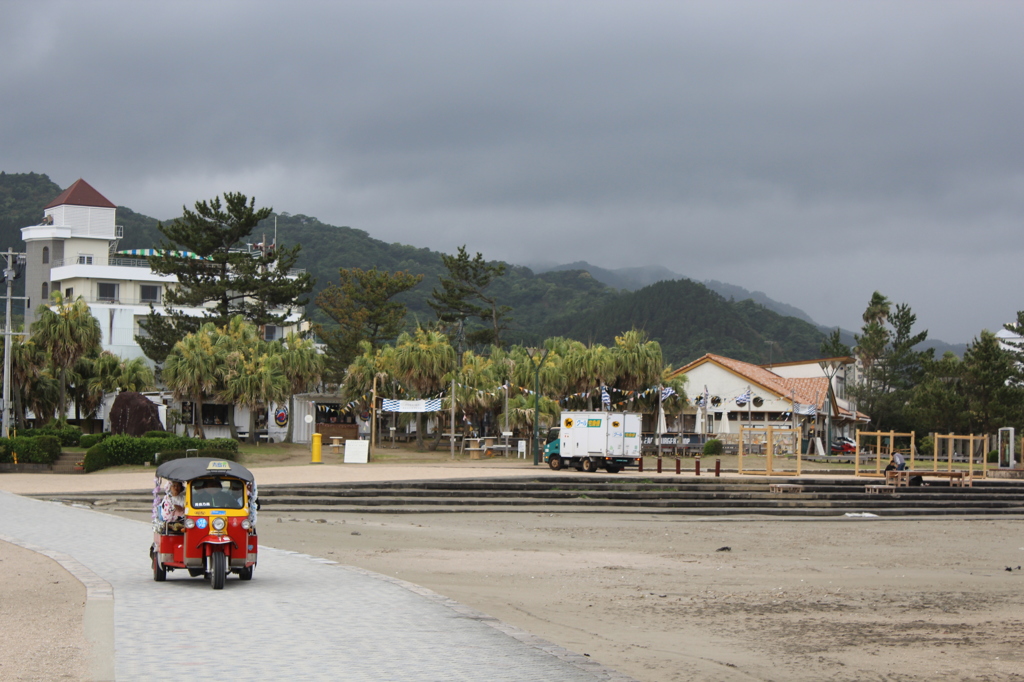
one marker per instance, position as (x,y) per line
(213,493)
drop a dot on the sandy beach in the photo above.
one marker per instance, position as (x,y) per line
(684,598)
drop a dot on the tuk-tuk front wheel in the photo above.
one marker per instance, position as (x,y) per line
(218,569)
(159,572)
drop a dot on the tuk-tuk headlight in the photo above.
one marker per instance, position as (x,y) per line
(190,523)
(219,523)
(245,524)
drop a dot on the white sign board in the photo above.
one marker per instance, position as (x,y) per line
(357,451)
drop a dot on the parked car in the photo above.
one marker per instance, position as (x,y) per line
(842,445)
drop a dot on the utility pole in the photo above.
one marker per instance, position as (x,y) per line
(536,402)
(9,274)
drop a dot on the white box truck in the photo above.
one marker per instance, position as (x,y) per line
(589,441)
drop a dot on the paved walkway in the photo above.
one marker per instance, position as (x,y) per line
(301,617)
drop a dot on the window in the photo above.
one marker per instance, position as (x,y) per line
(149,293)
(85,259)
(270,332)
(106,291)
(69,293)
(46,291)
(215,414)
(46,255)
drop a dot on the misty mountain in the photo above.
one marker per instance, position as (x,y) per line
(577,300)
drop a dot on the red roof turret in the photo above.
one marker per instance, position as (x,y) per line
(80,193)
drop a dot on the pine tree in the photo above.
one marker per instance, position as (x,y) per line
(463,290)
(220,275)
(362,307)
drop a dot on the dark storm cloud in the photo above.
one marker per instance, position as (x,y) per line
(816,151)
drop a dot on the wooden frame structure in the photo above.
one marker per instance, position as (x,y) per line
(774,437)
(879,435)
(950,442)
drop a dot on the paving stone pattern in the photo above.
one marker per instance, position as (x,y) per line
(300,617)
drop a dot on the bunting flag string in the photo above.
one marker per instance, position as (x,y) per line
(432,405)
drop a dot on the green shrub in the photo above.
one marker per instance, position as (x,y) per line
(168,455)
(120,449)
(221,444)
(713,447)
(69,436)
(5,451)
(993,456)
(925,445)
(45,450)
(22,448)
(158,434)
(90,439)
(96,458)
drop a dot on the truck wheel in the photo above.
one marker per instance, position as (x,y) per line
(611,469)
(589,465)
(555,462)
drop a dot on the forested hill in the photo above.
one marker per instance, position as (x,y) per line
(687,318)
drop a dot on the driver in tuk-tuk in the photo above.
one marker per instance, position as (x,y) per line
(211,492)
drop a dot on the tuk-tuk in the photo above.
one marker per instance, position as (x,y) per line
(204,519)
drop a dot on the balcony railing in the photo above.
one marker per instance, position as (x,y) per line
(117,262)
(136,263)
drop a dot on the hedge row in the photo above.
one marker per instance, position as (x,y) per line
(168,455)
(90,439)
(37,450)
(118,450)
(69,436)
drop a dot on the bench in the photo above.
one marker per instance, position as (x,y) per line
(785,488)
(879,489)
(902,478)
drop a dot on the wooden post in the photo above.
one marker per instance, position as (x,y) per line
(373,421)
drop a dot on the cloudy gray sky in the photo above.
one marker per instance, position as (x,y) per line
(816,151)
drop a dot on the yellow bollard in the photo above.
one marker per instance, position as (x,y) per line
(316,449)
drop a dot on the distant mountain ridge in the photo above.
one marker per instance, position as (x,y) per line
(578,300)
(632,279)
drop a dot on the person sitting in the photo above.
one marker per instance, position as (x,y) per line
(897,459)
(896,462)
(173,507)
(204,491)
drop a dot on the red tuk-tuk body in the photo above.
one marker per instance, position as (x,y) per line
(213,531)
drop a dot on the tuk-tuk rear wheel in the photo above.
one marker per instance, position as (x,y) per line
(245,573)
(218,569)
(159,572)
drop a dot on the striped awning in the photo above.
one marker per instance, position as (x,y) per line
(158,252)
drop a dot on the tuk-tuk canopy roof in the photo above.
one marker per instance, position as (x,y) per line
(192,468)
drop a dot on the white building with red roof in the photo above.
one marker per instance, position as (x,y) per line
(73,250)
(727,393)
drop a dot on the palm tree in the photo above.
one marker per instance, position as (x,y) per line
(521,414)
(254,376)
(30,378)
(588,368)
(421,362)
(638,362)
(193,368)
(303,368)
(67,331)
